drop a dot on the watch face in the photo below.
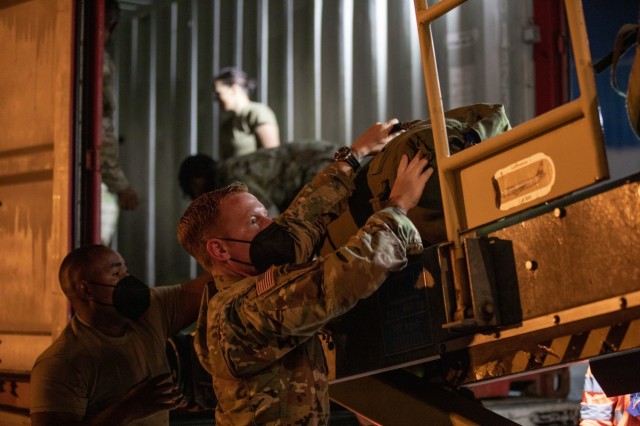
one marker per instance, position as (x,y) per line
(343,152)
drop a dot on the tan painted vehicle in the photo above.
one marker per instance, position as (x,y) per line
(539,270)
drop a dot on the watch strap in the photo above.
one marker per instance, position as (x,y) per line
(345,154)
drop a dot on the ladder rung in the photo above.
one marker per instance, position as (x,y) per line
(430,14)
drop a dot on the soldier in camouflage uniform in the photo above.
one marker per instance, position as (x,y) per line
(258,336)
(117,193)
(273,175)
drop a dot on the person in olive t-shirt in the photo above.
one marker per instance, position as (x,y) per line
(246,125)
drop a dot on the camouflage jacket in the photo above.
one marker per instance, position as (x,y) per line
(112,174)
(258,336)
(276,175)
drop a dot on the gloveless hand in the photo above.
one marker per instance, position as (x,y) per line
(374,139)
(411,179)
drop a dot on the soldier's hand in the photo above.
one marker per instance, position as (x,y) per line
(151,396)
(128,199)
(374,139)
(411,179)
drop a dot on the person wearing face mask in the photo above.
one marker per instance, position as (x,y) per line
(258,336)
(109,365)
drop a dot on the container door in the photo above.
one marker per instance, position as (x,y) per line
(36,122)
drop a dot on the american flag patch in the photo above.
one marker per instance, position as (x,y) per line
(265,282)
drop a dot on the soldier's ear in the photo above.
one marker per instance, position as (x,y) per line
(82,289)
(217,249)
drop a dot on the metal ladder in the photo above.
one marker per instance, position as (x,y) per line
(561,138)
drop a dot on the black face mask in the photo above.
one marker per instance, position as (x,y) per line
(131,297)
(271,246)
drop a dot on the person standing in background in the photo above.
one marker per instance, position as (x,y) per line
(117,193)
(598,409)
(247,125)
(274,176)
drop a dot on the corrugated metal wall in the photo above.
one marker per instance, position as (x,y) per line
(328,68)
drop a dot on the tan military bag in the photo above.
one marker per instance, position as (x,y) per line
(466,126)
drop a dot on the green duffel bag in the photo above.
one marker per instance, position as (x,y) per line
(466,126)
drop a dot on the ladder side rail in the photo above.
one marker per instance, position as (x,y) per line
(586,79)
(447,178)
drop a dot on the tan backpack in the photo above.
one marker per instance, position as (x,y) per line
(466,126)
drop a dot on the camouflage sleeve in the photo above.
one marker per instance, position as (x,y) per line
(297,300)
(317,204)
(112,174)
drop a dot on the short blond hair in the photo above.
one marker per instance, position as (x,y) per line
(199,222)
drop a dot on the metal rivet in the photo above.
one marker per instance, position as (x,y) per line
(531,265)
(559,212)
(556,319)
(487,311)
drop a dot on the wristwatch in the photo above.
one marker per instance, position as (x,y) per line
(345,154)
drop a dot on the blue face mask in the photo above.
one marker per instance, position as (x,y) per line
(131,297)
(271,246)
(634,405)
